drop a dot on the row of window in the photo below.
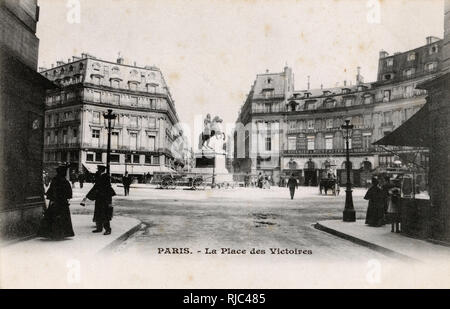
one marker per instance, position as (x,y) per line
(132,121)
(61,156)
(64,136)
(410,72)
(130,85)
(60,98)
(385,95)
(329,142)
(97,157)
(54,119)
(411,56)
(384,118)
(121,99)
(133,138)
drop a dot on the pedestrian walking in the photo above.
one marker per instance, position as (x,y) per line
(57,223)
(102,194)
(126,181)
(375,209)
(260,180)
(292,185)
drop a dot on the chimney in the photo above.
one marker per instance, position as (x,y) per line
(120,60)
(309,79)
(345,83)
(321,86)
(359,77)
(267,71)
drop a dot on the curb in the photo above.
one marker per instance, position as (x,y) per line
(121,238)
(361,242)
(4,244)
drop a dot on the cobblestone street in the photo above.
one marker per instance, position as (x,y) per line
(240,218)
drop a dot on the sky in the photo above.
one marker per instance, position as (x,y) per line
(210,51)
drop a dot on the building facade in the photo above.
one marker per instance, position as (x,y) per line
(144,138)
(281,131)
(22,97)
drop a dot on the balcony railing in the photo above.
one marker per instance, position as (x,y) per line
(327,151)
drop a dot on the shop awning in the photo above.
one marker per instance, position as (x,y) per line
(413,133)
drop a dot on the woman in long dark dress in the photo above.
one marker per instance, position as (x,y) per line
(375,210)
(57,223)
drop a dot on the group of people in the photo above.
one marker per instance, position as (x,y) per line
(264,181)
(57,223)
(383,204)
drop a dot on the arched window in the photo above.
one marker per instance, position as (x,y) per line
(366,165)
(292,106)
(292,164)
(310,165)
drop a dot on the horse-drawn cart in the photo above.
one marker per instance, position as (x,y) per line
(329,184)
(194,181)
(191,180)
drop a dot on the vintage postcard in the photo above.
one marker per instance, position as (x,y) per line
(224,144)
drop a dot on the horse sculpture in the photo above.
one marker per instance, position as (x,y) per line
(211,128)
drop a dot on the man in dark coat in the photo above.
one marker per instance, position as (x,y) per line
(102,193)
(292,185)
(57,223)
(126,181)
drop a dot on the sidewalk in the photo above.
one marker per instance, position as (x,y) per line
(382,240)
(84,241)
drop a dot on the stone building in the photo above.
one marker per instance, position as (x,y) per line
(144,135)
(281,131)
(22,97)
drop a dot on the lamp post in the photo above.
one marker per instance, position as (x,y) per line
(349,210)
(109,118)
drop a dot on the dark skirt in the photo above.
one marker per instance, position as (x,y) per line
(56,223)
(375,214)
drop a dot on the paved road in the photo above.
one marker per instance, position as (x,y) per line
(241,218)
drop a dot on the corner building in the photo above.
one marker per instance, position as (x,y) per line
(75,129)
(289,131)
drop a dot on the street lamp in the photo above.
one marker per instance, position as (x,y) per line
(349,210)
(109,123)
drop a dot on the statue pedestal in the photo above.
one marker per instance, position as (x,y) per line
(212,163)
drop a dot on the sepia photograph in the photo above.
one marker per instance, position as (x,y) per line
(235,144)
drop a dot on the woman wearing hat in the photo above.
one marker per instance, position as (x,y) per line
(102,194)
(57,223)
